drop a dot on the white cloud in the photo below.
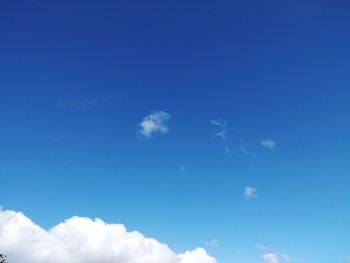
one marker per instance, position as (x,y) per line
(347,259)
(271,258)
(262,247)
(156,122)
(219,122)
(243,148)
(250,192)
(275,258)
(221,134)
(213,243)
(268,143)
(83,240)
(198,255)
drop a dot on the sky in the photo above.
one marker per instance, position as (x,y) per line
(217,130)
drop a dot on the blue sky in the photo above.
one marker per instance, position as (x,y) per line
(78,78)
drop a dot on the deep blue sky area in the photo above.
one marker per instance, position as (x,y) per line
(78,78)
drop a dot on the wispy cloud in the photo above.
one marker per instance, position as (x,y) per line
(347,259)
(83,104)
(155,122)
(222,131)
(221,134)
(213,243)
(263,247)
(236,144)
(219,122)
(244,149)
(250,192)
(268,143)
(81,239)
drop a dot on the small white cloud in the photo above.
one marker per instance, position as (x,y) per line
(80,240)
(243,148)
(275,258)
(219,122)
(347,259)
(227,149)
(263,247)
(213,243)
(250,192)
(156,122)
(268,143)
(271,258)
(220,134)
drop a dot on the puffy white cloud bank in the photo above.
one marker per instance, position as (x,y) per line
(83,240)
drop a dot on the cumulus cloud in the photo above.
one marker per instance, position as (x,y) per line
(155,122)
(271,258)
(83,240)
(275,258)
(250,192)
(199,255)
(268,143)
